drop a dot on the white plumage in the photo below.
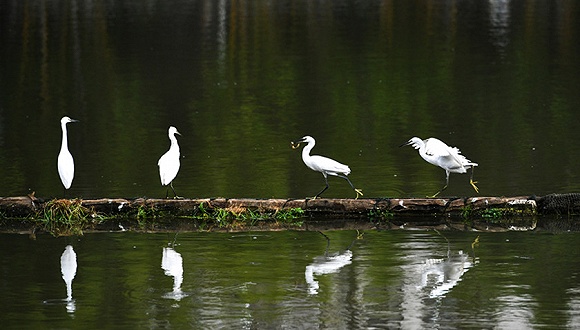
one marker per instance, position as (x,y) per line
(448,158)
(169,162)
(324,165)
(66,165)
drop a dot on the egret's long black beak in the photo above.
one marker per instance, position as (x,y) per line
(405,144)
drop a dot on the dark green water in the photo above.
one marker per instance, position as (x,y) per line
(387,280)
(241,79)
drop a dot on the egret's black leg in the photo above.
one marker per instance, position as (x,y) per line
(327,243)
(323,190)
(174,193)
(445,186)
(347,180)
(358,191)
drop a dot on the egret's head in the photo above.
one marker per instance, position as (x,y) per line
(414,141)
(173,130)
(305,139)
(66,120)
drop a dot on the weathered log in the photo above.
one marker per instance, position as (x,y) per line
(18,206)
(398,211)
(27,206)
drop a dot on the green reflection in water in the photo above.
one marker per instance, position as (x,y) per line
(244,280)
(240,80)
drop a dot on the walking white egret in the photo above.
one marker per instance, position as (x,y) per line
(324,165)
(66,165)
(169,162)
(448,158)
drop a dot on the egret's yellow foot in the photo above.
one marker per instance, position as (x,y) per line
(359,235)
(472,183)
(475,242)
(358,192)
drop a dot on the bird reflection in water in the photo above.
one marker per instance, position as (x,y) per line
(327,264)
(172,264)
(442,274)
(68,268)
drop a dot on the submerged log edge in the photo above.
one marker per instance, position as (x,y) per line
(506,212)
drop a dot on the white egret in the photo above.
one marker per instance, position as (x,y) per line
(66,165)
(169,162)
(448,158)
(324,165)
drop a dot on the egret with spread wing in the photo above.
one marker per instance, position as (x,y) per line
(324,165)
(448,158)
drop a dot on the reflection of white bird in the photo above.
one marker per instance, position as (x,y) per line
(68,268)
(447,273)
(172,264)
(324,165)
(169,162)
(66,166)
(448,158)
(325,265)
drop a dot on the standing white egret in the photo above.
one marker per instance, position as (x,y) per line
(169,162)
(66,165)
(448,158)
(324,165)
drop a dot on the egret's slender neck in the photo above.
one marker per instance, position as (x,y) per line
(306,150)
(174,145)
(64,145)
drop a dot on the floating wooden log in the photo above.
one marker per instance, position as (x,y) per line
(27,206)
(394,210)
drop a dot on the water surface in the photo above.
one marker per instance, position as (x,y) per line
(241,79)
(387,279)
